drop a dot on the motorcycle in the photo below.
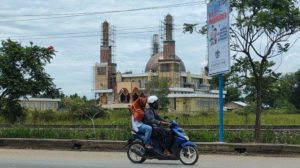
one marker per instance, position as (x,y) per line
(182,148)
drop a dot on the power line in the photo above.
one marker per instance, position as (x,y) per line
(103,12)
(90,33)
(81,36)
(57,16)
(60,34)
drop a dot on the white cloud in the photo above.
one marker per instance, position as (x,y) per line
(71,67)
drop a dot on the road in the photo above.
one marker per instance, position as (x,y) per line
(15,158)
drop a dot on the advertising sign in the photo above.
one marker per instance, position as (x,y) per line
(218,37)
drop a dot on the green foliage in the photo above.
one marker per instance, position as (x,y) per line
(233,94)
(268,136)
(285,95)
(242,79)
(22,70)
(101,134)
(12,111)
(121,117)
(22,73)
(271,19)
(275,20)
(160,88)
(92,110)
(295,96)
(163,92)
(245,112)
(45,116)
(79,108)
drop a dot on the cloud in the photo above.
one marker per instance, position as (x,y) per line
(71,68)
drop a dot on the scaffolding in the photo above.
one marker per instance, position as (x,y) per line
(161,34)
(112,38)
(155,44)
(110,41)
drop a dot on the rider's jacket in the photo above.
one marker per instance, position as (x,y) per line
(152,118)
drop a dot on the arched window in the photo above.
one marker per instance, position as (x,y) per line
(135,94)
(124,96)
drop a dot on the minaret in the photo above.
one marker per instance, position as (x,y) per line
(108,68)
(155,44)
(169,66)
(169,27)
(105,72)
(169,43)
(105,47)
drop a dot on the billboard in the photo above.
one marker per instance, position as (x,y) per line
(218,37)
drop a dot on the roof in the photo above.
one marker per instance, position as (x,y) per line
(134,75)
(240,103)
(152,63)
(177,89)
(217,91)
(195,95)
(104,91)
(40,99)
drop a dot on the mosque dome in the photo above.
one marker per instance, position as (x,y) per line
(152,64)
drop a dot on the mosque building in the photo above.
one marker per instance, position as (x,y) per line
(187,92)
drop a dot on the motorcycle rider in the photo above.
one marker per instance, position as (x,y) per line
(137,110)
(152,118)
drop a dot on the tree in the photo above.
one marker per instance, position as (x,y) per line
(22,73)
(289,88)
(273,20)
(159,87)
(79,108)
(91,110)
(232,84)
(295,97)
(242,77)
(233,93)
(270,21)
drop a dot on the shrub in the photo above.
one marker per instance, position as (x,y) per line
(12,111)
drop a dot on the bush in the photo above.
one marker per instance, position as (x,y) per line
(48,115)
(79,109)
(12,111)
(44,116)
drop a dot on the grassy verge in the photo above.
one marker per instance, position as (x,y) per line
(122,117)
(268,136)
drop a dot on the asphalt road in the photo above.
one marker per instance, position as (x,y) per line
(14,158)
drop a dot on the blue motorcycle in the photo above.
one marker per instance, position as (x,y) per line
(182,148)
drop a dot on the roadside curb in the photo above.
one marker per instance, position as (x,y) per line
(249,148)
(105,145)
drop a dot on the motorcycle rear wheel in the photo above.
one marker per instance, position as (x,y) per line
(135,152)
(188,155)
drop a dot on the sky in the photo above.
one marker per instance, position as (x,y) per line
(76,38)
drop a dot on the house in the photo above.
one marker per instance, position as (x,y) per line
(235,105)
(40,103)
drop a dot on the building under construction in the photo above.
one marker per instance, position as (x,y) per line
(188,92)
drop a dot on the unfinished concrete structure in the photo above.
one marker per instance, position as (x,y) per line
(188,92)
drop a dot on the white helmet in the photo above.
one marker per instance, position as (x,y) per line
(152,99)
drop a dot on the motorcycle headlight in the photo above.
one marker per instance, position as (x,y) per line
(186,137)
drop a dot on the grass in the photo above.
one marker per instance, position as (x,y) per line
(101,134)
(122,117)
(268,136)
(231,118)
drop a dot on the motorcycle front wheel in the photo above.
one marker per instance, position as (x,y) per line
(188,155)
(135,152)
